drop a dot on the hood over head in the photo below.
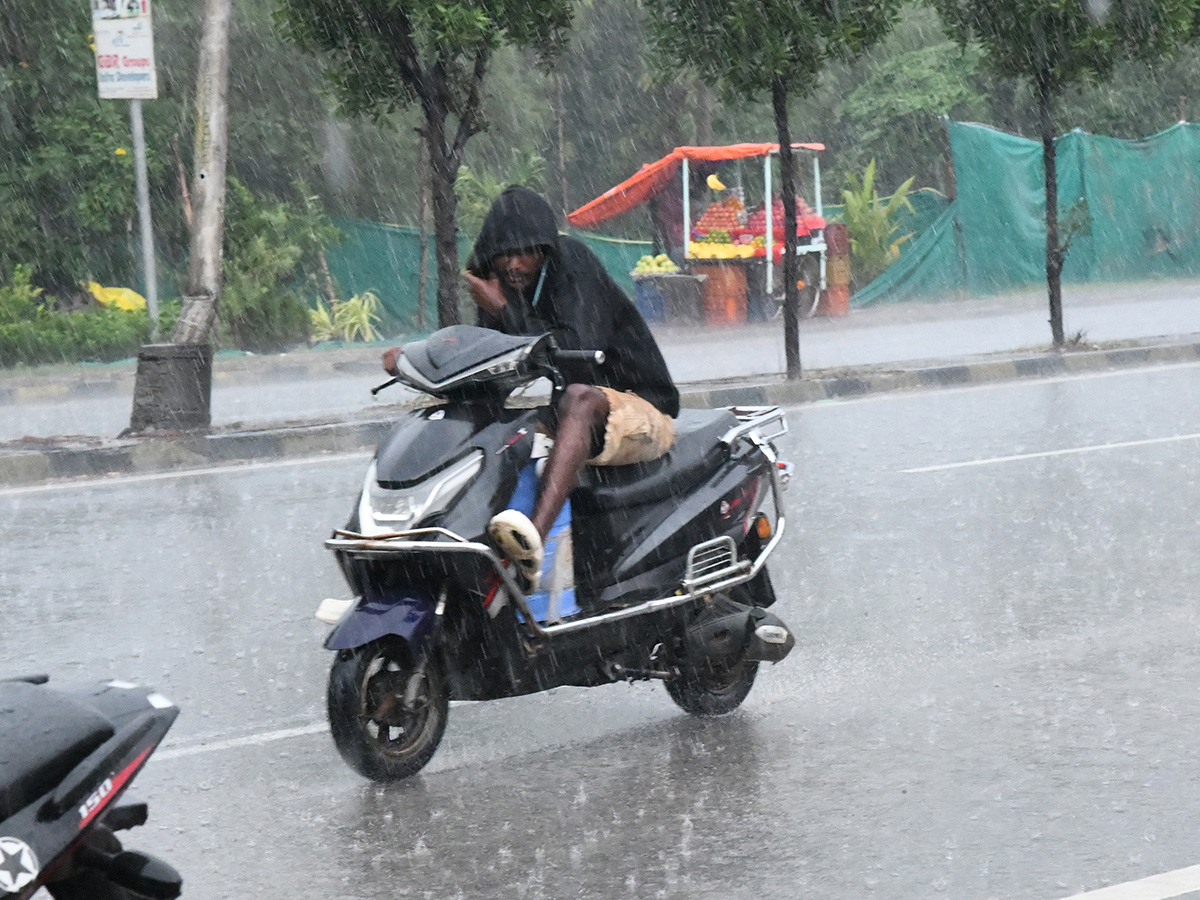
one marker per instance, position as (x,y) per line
(519,220)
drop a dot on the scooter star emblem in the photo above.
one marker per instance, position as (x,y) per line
(18,865)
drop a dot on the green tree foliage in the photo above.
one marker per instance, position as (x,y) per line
(283,126)
(619,110)
(385,55)
(272,253)
(895,110)
(749,47)
(478,190)
(1052,44)
(19,300)
(66,176)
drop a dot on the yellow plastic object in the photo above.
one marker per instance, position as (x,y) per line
(120,298)
(715,183)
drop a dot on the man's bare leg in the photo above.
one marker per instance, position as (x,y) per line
(582,413)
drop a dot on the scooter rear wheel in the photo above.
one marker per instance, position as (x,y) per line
(711,689)
(372,730)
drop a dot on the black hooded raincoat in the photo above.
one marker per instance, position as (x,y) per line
(579,303)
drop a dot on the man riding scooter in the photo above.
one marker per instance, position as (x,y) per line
(527,279)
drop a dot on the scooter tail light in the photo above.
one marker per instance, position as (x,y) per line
(757,495)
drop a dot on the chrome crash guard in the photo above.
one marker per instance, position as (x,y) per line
(712,566)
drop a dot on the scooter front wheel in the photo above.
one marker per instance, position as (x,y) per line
(711,689)
(376,732)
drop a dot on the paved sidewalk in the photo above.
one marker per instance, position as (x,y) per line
(312,401)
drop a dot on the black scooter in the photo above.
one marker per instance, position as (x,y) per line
(667,580)
(66,758)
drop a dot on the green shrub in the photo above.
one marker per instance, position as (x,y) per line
(19,300)
(257,311)
(31,334)
(101,336)
(271,262)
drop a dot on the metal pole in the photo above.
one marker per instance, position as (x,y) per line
(149,268)
(768,207)
(687,213)
(817,184)
(821,213)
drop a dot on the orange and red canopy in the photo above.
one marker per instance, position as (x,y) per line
(653,177)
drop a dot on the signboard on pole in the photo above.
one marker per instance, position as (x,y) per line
(124,50)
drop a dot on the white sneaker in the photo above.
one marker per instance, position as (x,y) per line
(520,542)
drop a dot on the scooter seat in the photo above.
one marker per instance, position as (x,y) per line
(696,454)
(44,734)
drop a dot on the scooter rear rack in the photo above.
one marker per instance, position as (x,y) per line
(765,422)
(712,566)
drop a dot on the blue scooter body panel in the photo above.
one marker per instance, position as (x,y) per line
(409,615)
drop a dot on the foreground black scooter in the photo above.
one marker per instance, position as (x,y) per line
(66,757)
(667,580)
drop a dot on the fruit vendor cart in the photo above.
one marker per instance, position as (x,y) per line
(736,249)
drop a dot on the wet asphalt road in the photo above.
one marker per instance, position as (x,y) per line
(994,691)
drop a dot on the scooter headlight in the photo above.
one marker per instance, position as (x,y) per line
(385,509)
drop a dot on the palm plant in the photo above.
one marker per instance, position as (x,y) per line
(871,223)
(347,320)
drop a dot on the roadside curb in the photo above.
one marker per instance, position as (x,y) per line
(34,386)
(35,461)
(862,382)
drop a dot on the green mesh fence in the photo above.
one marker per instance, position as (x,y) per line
(385,259)
(618,256)
(1134,207)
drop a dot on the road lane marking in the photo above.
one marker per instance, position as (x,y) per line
(1069,451)
(1155,887)
(254,740)
(250,740)
(232,468)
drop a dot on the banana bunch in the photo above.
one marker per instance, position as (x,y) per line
(655,265)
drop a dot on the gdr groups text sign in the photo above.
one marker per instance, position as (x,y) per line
(124,49)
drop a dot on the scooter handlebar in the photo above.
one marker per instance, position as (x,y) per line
(375,390)
(589,356)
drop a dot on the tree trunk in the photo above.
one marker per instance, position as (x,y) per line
(562,150)
(443,171)
(1054,254)
(423,229)
(199,312)
(791,264)
(949,181)
(704,114)
(185,197)
(327,289)
(172,389)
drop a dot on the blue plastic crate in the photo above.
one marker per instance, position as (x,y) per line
(649,299)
